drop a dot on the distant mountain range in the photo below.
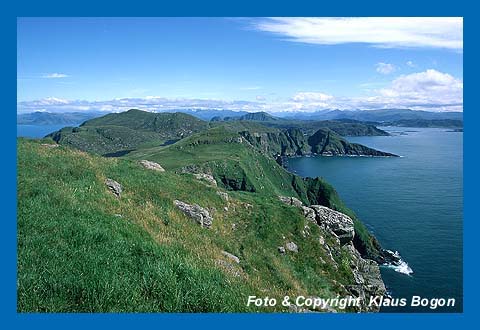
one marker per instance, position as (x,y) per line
(394,117)
(384,115)
(48,118)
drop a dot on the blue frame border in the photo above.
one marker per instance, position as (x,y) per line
(11,319)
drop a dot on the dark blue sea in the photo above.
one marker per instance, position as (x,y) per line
(413,204)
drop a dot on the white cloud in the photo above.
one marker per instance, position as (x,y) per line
(54,75)
(388,32)
(311,97)
(410,64)
(427,90)
(385,68)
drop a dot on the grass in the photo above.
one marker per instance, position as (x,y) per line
(81,249)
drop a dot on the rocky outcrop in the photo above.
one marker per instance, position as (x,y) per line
(291,201)
(340,224)
(195,212)
(152,166)
(114,186)
(205,177)
(223,195)
(367,280)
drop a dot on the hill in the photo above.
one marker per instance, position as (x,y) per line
(341,127)
(328,143)
(110,235)
(119,133)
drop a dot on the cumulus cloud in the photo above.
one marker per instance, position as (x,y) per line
(54,75)
(427,90)
(424,88)
(388,32)
(411,64)
(385,68)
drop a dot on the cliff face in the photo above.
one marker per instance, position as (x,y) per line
(367,280)
(293,142)
(328,143)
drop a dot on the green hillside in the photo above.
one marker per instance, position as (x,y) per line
(327,142)
(167,125)
(83,249)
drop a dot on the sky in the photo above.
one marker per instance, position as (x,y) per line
(251,64)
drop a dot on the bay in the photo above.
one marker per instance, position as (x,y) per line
(413,204)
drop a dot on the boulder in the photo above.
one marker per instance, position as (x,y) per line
(223,195)
(205,177)
(231,257)
(291,201)
(340,224)
(281,249)
(195,212)
(50,145)
(152,165)
(114,186)
(291,246)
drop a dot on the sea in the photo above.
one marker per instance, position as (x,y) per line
(37,131)
(413,204)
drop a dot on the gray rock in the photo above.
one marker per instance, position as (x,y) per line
(321,240)
(229,267)
(340,224)
(291,201)
(195,212)
(291,246)
(222,194)
(50,145)
(205,177)
(114,186)
(281,249)
(231,256)
(309,214)
(367,280)
(152,165)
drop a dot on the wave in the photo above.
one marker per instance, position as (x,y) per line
(398,264)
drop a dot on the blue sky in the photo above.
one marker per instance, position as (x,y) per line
(272,64)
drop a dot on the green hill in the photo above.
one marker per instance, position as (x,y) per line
(119,133)
(327,142)
(81,248)
(167,125)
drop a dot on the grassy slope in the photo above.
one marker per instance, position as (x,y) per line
(75,254)
(213,151)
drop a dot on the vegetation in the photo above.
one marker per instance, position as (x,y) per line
(82,249)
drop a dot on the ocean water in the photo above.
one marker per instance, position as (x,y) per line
(413,205)
(37,131)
